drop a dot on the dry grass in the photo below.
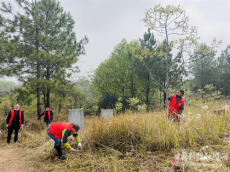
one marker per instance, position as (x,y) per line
(151,138)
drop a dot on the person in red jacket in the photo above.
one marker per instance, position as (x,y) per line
(48,116)
(14,121)
(61,130)
(176,106)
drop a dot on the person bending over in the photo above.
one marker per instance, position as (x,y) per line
(61,131)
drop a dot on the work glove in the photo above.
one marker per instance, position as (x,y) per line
(79,145)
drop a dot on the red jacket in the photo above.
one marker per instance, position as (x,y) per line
(173,106)
(12,113)
(56,129)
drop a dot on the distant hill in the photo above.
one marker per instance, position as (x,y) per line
(7,87)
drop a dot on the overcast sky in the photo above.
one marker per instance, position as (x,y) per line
(107,22)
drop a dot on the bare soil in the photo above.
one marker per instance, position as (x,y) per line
(13,159)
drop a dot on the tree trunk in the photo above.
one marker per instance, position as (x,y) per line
(38,77)
(167,74)
(48,97)
(48,88)
(59,108)
(148,91)
(202,79)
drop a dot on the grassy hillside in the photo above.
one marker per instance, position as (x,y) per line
(134,142)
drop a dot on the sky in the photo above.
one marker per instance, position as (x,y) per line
(107,22)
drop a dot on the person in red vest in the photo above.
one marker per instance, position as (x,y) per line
(176,106)
(61,131)
(48,116)
(14,121)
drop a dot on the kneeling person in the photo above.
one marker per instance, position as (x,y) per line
(61,130)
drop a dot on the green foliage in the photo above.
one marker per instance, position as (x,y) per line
(141,107)
(7,87)
(133,101)
(49,47)
(7,51)
(118,106)
(169,21)
(223,71)
(115,77)
(210,92)
(203,67)
(5,106)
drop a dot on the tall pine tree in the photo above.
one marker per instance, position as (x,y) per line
(47,45)
(223,71)
(203,67)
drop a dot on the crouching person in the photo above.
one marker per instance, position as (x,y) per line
(61,131)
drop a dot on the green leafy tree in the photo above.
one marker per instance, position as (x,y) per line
(116,76)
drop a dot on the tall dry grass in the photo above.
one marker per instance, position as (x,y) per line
(106,142)
(153,131)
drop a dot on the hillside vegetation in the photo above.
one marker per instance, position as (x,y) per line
(132,142)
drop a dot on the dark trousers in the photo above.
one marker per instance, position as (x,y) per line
(10,131)
(176,119)
(48,123)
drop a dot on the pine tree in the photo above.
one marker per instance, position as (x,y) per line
(203,68)
(223,71)
(147,85)
(47,45)
(7,64)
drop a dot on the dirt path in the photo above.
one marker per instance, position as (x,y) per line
(13,159)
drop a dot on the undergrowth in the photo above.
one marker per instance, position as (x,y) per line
(129,142)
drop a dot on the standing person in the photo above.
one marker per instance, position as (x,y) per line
(176,104)
(48,116)
(61,130)
(14,121)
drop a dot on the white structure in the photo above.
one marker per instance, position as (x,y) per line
(107,113)
(226,108)
(204,107)
(76,116)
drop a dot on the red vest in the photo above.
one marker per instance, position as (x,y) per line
(49,116)
(12,113)
(173,106)
(56,129)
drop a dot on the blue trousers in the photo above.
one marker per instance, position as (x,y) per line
(57,141)
(48,123)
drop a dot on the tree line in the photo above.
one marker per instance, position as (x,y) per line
(40,48)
